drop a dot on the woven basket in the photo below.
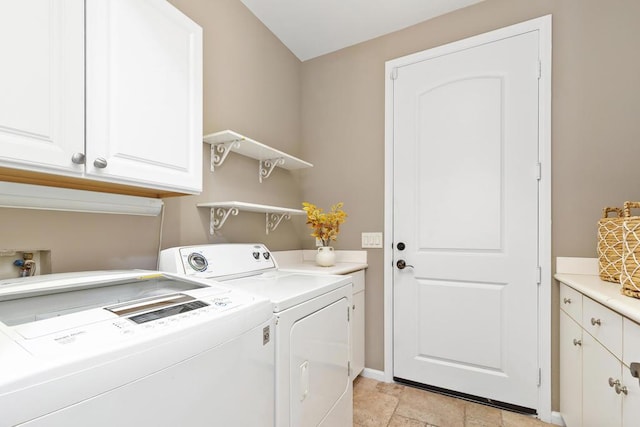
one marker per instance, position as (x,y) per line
(630,274)
(610,245)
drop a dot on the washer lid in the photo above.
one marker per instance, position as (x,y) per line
(287,289)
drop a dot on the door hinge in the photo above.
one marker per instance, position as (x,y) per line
(538,275)
(348,315)
(539,377)
(394,74)
(538,171)
(539,69)
(349,369)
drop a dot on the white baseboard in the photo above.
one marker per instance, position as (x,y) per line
(556,419)
(374,374)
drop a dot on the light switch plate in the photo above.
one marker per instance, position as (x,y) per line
(372,240)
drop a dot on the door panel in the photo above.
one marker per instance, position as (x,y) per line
(478,344)
(451,116)
(466,206)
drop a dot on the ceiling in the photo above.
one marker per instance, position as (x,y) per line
(310,28)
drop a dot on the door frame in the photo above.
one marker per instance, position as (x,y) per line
(543,26)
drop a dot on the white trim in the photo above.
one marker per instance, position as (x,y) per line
(556,419)
(27,196)
(390,70)
(543,26)
(374,374)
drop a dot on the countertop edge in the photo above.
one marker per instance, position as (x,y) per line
(311,267)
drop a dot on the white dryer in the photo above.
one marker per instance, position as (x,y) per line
(312,334)
(133,348)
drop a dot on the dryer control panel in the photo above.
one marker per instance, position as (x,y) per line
(218,261)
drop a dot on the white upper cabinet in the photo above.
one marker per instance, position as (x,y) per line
(144,94)
(101,94)
(42,85)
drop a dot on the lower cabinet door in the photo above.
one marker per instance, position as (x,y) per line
(570,371)
(602,406)
(630,401)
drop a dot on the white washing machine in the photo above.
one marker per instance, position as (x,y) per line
(312,334)
(133,348)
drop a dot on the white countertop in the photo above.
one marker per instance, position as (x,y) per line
(303,261)
(606,293)
(582,275)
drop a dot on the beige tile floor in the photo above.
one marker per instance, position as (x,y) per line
(395,405)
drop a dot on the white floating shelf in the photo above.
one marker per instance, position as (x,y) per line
(222,143)
(220,211)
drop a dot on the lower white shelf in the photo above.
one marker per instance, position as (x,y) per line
(220,212)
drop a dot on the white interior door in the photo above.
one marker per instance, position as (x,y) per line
(465,136)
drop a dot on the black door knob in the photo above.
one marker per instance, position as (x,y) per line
(400,246)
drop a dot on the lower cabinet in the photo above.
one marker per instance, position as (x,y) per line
(596,350)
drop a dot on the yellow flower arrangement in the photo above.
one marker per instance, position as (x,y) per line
(326,226)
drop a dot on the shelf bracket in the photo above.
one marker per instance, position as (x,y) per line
(267,166)
(218,218)
(219,152)
(274,220)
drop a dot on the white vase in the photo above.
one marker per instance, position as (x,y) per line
(326,256)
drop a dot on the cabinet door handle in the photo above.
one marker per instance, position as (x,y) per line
(567,300)
(577,342)
(100,163)
(595,321)
(622,389)
(614,383)
(77,158)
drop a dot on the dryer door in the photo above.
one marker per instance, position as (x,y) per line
(319,363)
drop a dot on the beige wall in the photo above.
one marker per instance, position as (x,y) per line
(81,241)
(251,86)
(595,124)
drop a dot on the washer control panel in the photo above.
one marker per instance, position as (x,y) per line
(109,332)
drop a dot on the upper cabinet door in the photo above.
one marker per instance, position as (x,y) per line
(42,85)
(144,95)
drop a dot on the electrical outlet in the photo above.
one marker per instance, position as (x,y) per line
(372,240)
